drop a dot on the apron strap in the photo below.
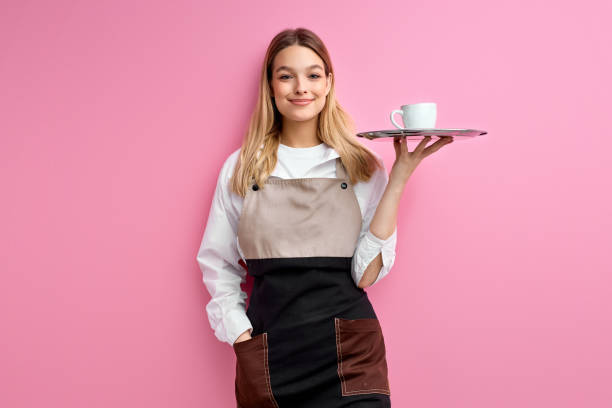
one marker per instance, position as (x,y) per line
(340,170)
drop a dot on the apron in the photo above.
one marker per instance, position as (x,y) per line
(316,340)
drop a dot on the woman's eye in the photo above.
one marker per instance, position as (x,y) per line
(283,76)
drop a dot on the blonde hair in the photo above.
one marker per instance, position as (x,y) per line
(257,157)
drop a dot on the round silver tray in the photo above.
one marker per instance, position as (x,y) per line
(418,134)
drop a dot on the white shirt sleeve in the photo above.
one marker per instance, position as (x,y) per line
(369,245)
(218,260)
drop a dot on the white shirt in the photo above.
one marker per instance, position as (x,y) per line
(220,251)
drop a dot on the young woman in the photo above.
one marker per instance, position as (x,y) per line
(312,213)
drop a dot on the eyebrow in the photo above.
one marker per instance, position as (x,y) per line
(290,69)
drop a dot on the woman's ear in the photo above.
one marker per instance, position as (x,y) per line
(329,83)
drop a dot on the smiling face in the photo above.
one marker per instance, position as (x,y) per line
(299,73)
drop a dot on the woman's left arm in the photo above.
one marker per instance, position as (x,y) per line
(384,221)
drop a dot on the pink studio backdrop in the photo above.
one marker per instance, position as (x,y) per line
(117,116)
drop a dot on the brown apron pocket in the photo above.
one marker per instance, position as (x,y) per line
(252,381)
(362,364)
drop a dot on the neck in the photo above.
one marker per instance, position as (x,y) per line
(300,133)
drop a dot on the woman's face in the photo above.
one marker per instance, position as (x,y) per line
(299,73)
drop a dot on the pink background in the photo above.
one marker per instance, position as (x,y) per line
(117,116)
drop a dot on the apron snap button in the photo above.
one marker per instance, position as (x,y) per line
(343,185)
(255,187)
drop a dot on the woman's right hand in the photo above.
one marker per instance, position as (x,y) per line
(244,336)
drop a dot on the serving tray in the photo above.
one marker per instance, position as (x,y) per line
(418,134)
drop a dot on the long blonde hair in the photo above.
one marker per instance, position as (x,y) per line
(336,128)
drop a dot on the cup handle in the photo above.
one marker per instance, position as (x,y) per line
(393,120)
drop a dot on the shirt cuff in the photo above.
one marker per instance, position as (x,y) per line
(369,247)
(382,242)
(386,246)
(235,322)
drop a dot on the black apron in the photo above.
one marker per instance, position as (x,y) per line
(316,340)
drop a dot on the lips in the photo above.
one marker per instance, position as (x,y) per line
(301,101)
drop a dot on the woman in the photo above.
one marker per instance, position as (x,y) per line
(312,213)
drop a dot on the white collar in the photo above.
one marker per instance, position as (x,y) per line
(331,152)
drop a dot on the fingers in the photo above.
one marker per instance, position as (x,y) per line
(422,145)
(444,140)
(401,145)
(397,146)
(404,146)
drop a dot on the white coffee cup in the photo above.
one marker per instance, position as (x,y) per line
(417,116)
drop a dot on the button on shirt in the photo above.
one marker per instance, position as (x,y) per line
(220,252)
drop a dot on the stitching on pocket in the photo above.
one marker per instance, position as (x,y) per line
(254,348)
(366,327)
(267,370)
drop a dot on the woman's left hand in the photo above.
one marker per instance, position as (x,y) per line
(407,161)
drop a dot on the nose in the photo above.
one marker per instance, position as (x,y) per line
(300,87)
